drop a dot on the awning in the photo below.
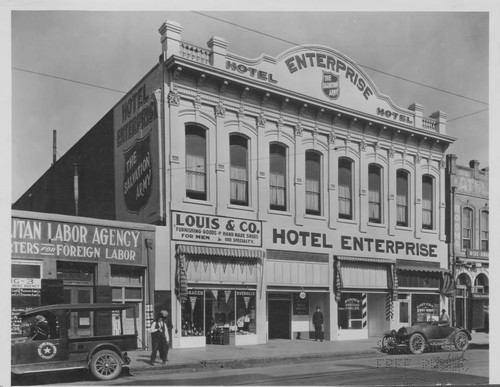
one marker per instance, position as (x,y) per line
(220,251)
(363,259)
(446,281)
(423,269)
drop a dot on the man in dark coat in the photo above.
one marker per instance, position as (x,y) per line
(160,337)
(318,324)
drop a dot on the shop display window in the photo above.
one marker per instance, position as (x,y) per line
(245,312)
(424,307)
(192,314)
(350,311)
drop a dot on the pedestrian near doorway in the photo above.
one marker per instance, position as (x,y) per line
(160,337)
(318,324)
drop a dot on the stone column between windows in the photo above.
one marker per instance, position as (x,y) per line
(363,190)
(299,182)
(391,197)
(333,166)
(441,202)
(222,165)
(177,159)
(262,164)
(418,201)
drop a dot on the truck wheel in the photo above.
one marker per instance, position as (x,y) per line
(388,344)
(461,341)
(416,343)
(106,365)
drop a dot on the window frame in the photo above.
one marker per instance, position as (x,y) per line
(314,154)
(379,169)
(405,223)
(235,201)
(481,230)
(283,155)
(462,228)
(431,179)
(349,199)
(192,193)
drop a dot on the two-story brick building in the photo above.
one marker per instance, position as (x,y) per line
(277,184)
(468,223)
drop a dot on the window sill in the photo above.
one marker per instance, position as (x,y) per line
(314,217)
(348,221)
(379,225)
(196,201)
(428,231)
(278,212)
(241,208)
(403,228)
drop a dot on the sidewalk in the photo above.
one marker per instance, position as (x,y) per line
(275,351)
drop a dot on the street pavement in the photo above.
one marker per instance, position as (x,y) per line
(274,352)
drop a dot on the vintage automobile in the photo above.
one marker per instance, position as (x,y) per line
(422,336)
(71,336)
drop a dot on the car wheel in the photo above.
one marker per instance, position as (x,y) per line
(416,343)
(106,365)
(388,343)
(461,341)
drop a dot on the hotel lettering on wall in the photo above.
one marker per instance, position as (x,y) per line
(44,239)
(216,229)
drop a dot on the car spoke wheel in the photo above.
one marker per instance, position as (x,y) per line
(388,343)
(461,341)
(416,343)
(106,365)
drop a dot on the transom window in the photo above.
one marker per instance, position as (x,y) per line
(277,177)
(345,188)
(238,147)
(196,161)
(313,183)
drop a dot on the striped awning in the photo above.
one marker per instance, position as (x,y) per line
(363,259)
(424,269)
(220,251)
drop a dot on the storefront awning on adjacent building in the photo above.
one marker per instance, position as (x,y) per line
(220,251)
(446,281)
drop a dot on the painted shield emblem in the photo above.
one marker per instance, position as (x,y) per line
(138,175)
(330,85)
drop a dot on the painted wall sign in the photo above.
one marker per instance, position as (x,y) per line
(300,305)
(476,253)
(43,239)
(352,304)
(300,238)
(395,116)
(252,72)
(216,229)
(351,243)
(136,155)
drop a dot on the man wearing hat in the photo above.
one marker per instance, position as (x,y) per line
(318,324)
(160,337)
(444,319)
(40,328)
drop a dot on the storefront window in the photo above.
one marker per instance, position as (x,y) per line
(425,307)
(245,312)
(192,314)
(350,311)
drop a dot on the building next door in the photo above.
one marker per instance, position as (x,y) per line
(279,319)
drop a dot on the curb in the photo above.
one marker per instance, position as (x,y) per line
(249,363)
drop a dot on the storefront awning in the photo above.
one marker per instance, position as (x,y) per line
(423,269)
(363,259)
(446,281)
(220,251)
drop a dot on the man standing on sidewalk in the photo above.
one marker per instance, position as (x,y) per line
(318,324)
(160,337)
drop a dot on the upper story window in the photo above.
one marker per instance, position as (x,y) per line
(313,183)
(402,198)
(484,231)
(374,193)
(196,161)
(427,202)
(277,177)
(345,188)
(238,149)
(466,228)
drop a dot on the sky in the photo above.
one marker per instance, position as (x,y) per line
(113,50)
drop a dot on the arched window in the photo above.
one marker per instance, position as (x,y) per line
(485,236)
(345,188)
(196,161)
(374,193)
(427,202)
(402,198)
(277,177)
(313,183)
(482,283)
(466,228)
(238,149)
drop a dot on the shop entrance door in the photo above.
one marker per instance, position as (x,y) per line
(279,319)
(377,323)
(81,323)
